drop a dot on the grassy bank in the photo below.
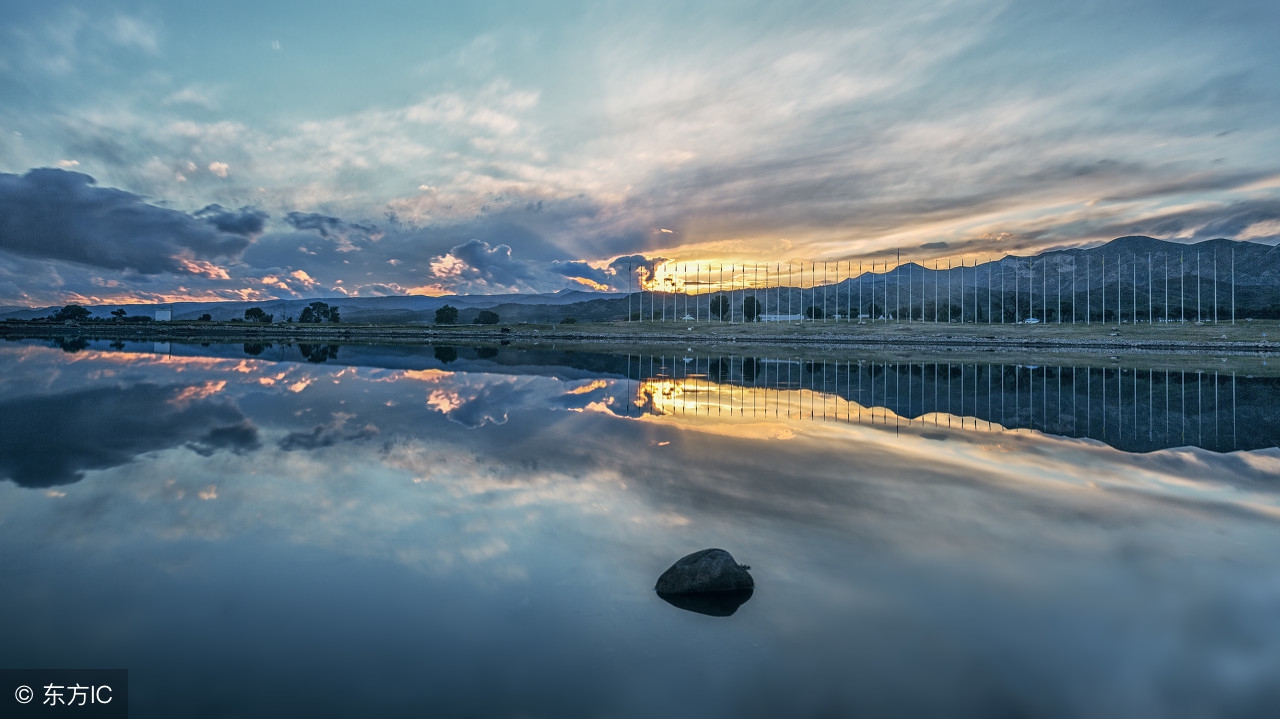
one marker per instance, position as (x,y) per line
(1245,347)
(1255,336)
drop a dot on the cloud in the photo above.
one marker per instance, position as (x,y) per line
(478,267)
(60,215)
(327,435)
(245,222)
(320,224)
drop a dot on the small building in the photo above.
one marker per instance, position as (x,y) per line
(781,318)
(164,315)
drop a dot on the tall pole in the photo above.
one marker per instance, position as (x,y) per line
(848,293)
(859,290)
(1059,295)
(1215,285)
(897,285)
(989,297)
(1233,298)
(948,290)
(1150,291)
(936,278)
(826,286)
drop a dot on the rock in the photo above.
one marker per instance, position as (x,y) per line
(711,570)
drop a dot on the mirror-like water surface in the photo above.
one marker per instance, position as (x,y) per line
(346,530)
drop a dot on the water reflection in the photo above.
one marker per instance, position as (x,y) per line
(1130,408)
(485,532)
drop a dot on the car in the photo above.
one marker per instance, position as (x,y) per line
(1031,321)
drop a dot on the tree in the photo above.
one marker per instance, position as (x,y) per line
(720,306)
(255,314)
(74,313)
(569,321)
(751,309)
(446,315)
(814,312)
(318,312)
(318,353)
(487,317)
(206,317)
(119,314)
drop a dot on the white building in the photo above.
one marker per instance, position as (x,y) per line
(781,318)
(164,315)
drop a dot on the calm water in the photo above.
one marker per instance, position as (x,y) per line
(361,531)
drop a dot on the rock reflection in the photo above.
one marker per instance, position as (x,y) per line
(712,604)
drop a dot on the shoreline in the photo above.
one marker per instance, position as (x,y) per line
(1252,338)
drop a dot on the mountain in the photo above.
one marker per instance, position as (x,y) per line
(1134,272)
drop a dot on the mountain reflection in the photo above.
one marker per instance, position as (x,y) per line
(1129,408)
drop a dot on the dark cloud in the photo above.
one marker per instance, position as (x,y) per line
(1204,222)
(59,215)
(934,246)
(62,436)
(326,435)
(320,224)
(245,222)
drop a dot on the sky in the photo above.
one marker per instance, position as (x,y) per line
(156,152)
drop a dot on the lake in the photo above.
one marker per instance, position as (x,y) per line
(361,530)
